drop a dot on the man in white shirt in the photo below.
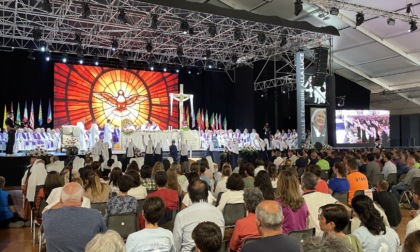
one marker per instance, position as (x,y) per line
(389,167)
(94,134)
(187,219)
(82,136)
(108,133)
(414,224)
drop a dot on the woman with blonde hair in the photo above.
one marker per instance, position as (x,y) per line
(157,167)
(295,210)
(95,190)
(180,176)
(172,182)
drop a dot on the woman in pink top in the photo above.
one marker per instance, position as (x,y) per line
(294,208)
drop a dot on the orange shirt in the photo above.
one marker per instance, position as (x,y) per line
(321,186)
(357,181)
(244,228)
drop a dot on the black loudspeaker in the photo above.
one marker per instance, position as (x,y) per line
(320,66)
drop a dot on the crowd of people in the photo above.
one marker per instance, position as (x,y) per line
(290,192)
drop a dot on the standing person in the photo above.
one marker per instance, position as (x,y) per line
(11,131)
(116,134)
(148,157)
(82,135)
(108,136)
(94,134)
(173,151)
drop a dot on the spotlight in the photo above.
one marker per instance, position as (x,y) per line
(64,59)
(212,30)
(47,56)
(46,6)
(85,10)
(114,45)
(234,58)
(177,69)
(43,46)
(80,56)
(149,47)
(36,34)
(81,61)
(413,26)
(31,55)
(298,7)
(408,8)
(237,33)
(200,71)
(121,16)
(165,68)
(334,11)
(77,38)
(390,21)
(261,37)
(184,26)
(96,60)
(125,63)
(152,67)
(360,18)
(188,70)
(179,51)
(154,21)
(210,64)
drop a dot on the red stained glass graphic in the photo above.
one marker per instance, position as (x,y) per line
(101,93)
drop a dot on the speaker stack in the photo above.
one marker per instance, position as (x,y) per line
(320,66)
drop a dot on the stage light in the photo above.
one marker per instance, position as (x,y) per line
(152,67)
(360,18)
(47,56)
(179,51)
(31,55)
(408,8)
(64,59)
(184,26)
(121,16)
(43,46)
(261,37)
(298,7)
(149,47)
(114,45)
(390,21)
(96,60)
(237,33)
(77,38)
(85,10)
(413,26)
(81,61)
(177,70)
(200,71)
(36,34)
(125,64)
(212,30)
(154,21)
(334,11)
(188,70)
(165,68)
(46,6)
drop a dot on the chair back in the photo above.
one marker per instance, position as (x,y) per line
(413,181)
(301,235)
(124,224)
(140,206)
(325,174)
(42,205)
(392,179)
(359,192)
(219,196)
(402,176)
(376,178)
(101,207)
(341,197)
(168,219)
(249,240)
(233,212)
(300,171)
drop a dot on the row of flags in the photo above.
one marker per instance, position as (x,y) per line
(31,121)
(201,120)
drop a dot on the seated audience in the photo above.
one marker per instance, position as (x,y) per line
(412,242)
(273,173)
(339,184)
(388,202)
(52,181)
(187,219)
(186,201)
(122,203)
(321,185)
(146,180)
(389,166)
(322,163)
(247,173)
(259,163)
(207,237)
(373,234)
(152,237)
(333,218)
(372,168)
(109,241)
(95,190)
(263,182)
(414,224)
(235,192)
(116,173)
(413,172)
(330,244)
(172,182)
(245,228)
(221,184)
(269,219)
(357,180)
(137,190)
(71,227)
(9,216)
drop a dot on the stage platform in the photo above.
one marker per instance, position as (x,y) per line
(13,167)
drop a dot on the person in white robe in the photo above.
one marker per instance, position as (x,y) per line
(108,133)
(94,134)
(148,157)
(34,177)
(82,136)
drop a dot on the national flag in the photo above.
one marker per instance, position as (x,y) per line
(49,116)
(225,123)
(25,113)
(32,116)
(11,110)
(40,113)
(198,118)
(207,119)
(4,118)
(18,119)
(213,125)
(192,119)
(202,119)
(216,123)
(220,121)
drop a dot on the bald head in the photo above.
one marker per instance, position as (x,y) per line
(270,215)
(72,194)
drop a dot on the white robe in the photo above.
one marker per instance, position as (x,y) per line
(37,178)
(108,135)
(94,135)
(82,137)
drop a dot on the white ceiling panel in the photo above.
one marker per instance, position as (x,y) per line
(349,38)
(365,53)
(380,27)
(411,77)
(349,74)
(388,5)
(408,42)
(388,67)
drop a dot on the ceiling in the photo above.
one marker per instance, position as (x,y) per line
(382,58)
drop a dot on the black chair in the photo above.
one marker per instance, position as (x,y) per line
(140,206)
(219,196)
(249,240)
(167,220)
(376,178)
(408,194)
(359,192)
(301,235)
(341,197)
(124,224)
(100,206)
(392,179)
(402,176)
(233,212)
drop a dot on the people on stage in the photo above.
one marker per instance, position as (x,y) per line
(94,134)
(82,135)
(11,132)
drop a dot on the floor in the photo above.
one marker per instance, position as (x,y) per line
(20,239)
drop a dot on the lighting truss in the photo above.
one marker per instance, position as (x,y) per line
(19,18)
(345,5)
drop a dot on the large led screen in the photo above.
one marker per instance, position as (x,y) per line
(93,92)
(362,127)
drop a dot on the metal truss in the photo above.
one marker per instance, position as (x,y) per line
(286,83)
(399,91)
(345,5)
(146,23)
